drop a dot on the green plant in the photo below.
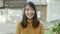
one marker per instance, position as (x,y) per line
(56,28)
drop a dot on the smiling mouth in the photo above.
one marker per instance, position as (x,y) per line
(30,15)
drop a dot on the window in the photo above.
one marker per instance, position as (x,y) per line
(38,14)
(2,18)
(53,11)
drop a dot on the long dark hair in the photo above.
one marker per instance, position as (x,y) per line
(24,20)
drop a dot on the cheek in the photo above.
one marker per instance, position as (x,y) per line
(26,13)
(32,13)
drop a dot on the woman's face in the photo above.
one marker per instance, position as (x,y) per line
(29,12)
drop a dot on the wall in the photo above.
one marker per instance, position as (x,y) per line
(53,10)
(43,9)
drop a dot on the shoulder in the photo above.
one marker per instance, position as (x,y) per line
(18,23)
(18,26)
(41,23)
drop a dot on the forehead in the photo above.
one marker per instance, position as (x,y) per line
(28,6)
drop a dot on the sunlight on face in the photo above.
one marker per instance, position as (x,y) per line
(29,12)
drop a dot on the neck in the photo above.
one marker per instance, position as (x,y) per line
(29,20)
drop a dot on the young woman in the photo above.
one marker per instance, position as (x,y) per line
(29,24)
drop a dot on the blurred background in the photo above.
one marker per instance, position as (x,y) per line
(11,11)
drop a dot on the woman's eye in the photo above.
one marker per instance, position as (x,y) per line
(27,9)
(31,9)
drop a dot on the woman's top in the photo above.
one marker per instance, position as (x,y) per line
(29,29)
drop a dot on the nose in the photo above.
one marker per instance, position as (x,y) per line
(30,11)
